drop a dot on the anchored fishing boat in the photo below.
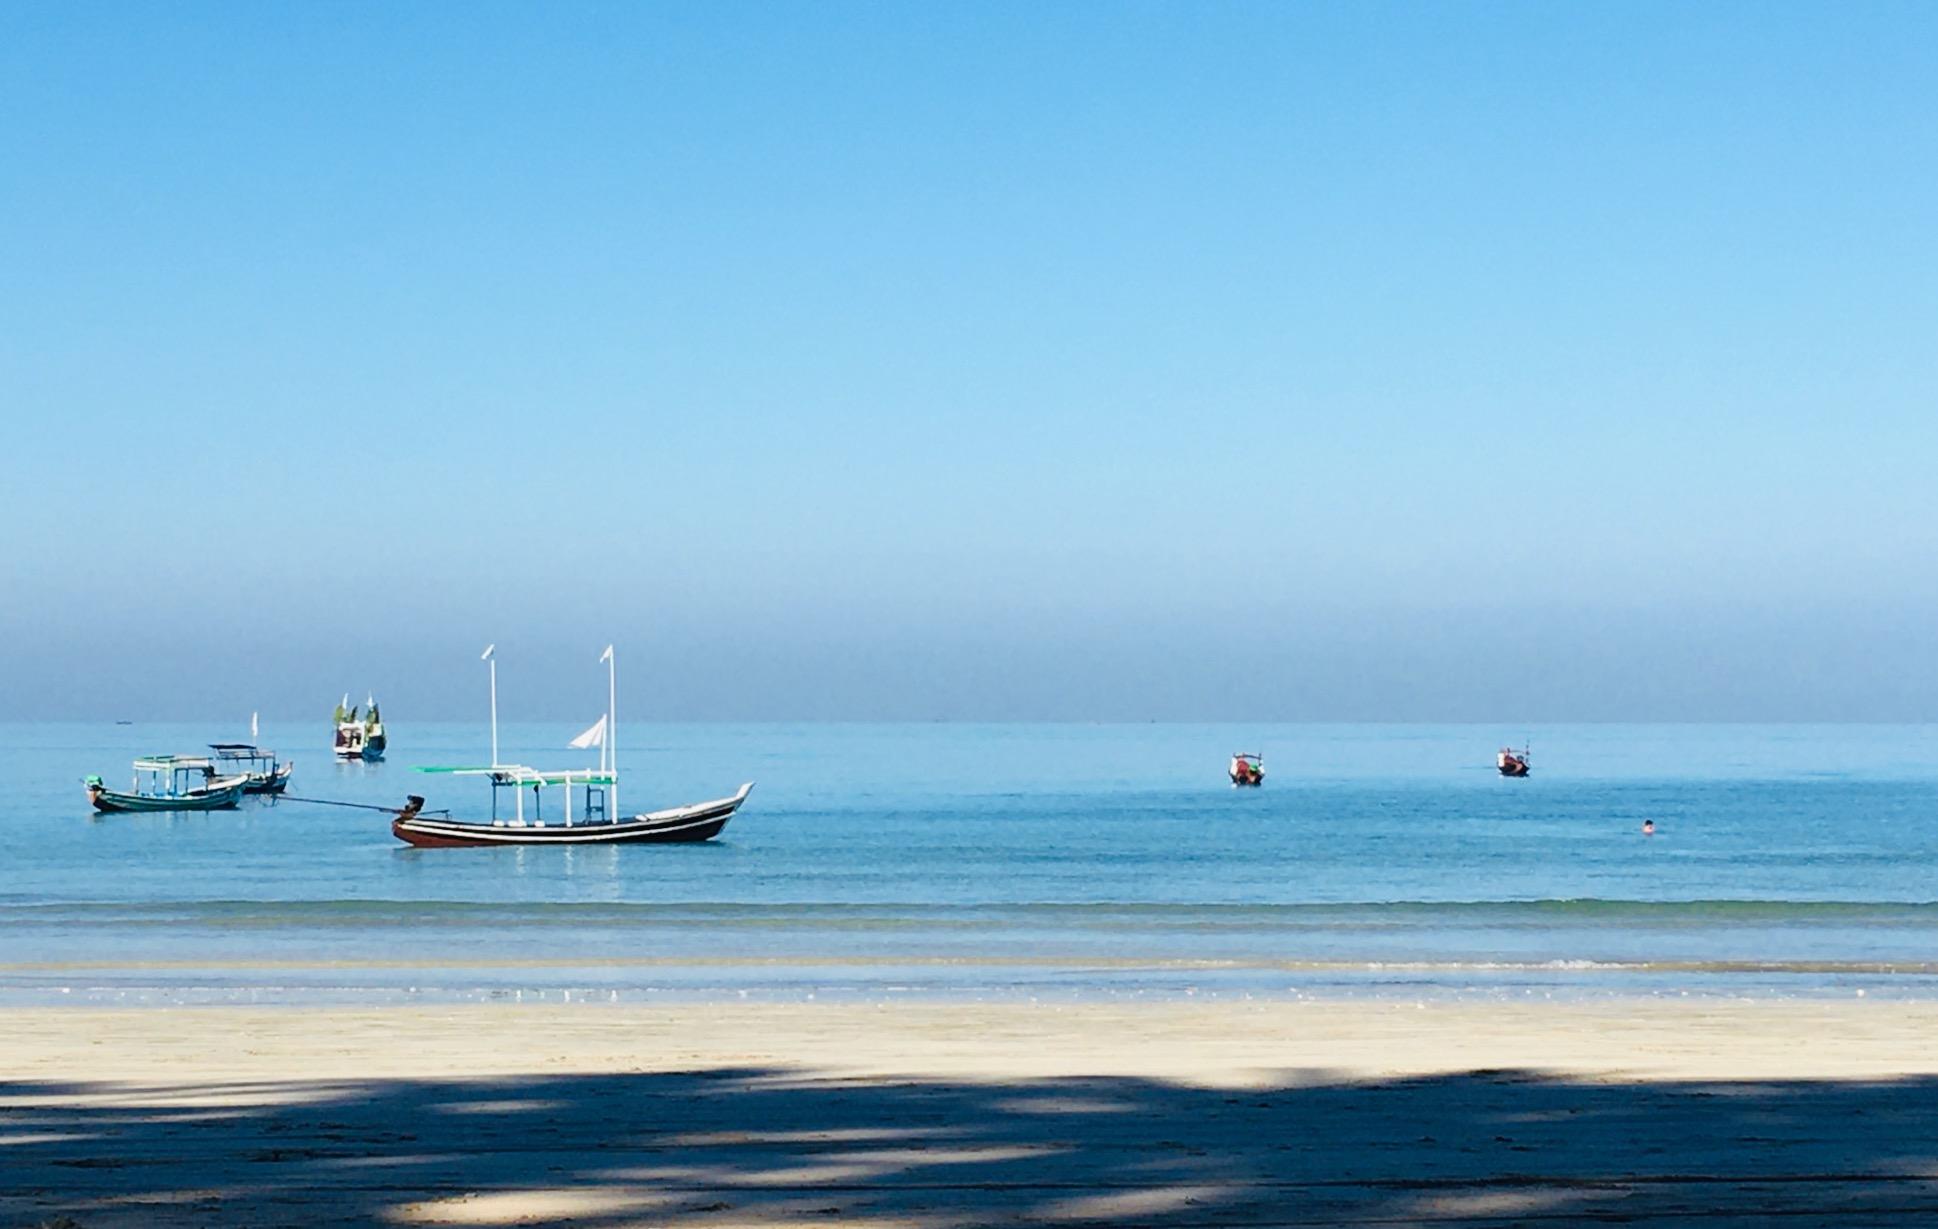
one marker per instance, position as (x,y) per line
(598,820)
(264,772)
(699,821)
(359,738)
(1512,763)
(1247,769)
(173,783)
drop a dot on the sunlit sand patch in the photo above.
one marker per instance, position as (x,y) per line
(185,1102)
(394,1161)
(1062,1105)
(528,1207)
(1121,1204)
(847,1135)
(728,1176)
(510,1105)
(22,1138)
(803,1175)
(1521,1201)
(907,1158)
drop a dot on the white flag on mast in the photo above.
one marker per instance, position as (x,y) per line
(594,737)
(607,655)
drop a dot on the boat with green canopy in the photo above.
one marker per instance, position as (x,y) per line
(597,820)
(171,783)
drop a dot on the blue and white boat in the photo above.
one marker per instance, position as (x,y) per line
(171,783)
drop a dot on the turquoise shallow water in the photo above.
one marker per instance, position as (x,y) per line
(1059,860)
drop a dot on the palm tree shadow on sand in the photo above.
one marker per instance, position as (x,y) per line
(726,1146)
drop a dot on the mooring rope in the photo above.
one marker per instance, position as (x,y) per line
(360,806)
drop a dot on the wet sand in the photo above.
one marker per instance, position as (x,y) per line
(1677,1112)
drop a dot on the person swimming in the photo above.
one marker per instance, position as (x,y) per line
(1648,827)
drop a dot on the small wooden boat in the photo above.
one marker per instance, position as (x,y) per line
(175,783)
(266,774)
(1247,769)
(1512,763)
(700,821)
(599,820)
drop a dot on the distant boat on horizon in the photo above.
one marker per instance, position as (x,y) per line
(1512,763)
(359,738)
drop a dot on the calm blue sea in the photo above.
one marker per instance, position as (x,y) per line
(1003,860)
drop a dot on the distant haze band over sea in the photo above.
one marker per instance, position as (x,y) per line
(1000,860)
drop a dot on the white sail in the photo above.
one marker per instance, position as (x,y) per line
(593,737)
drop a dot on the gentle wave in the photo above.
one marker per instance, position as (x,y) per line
(1540,913)
(1911,968)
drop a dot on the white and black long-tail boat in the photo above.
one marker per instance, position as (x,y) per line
(266,774)
(598,820)
(699,821)
(174,783)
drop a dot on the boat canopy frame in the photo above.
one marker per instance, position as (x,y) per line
(597,785)
(245,753)
(169,773)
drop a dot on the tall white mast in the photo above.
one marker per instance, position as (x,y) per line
(489,650)
(612,725)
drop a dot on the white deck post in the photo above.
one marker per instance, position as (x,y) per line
(612,734)
(489,650)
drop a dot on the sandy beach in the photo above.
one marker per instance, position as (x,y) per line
(1676,1112)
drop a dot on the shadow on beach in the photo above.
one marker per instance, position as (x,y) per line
(724,1146)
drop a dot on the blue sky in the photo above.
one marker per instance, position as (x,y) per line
(1441,362)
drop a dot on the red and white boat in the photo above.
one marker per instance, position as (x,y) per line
(1246,769)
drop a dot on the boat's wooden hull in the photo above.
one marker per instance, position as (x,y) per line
(700,822)
(1514,768)
(274,783)
(221,798)
(1254,780)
